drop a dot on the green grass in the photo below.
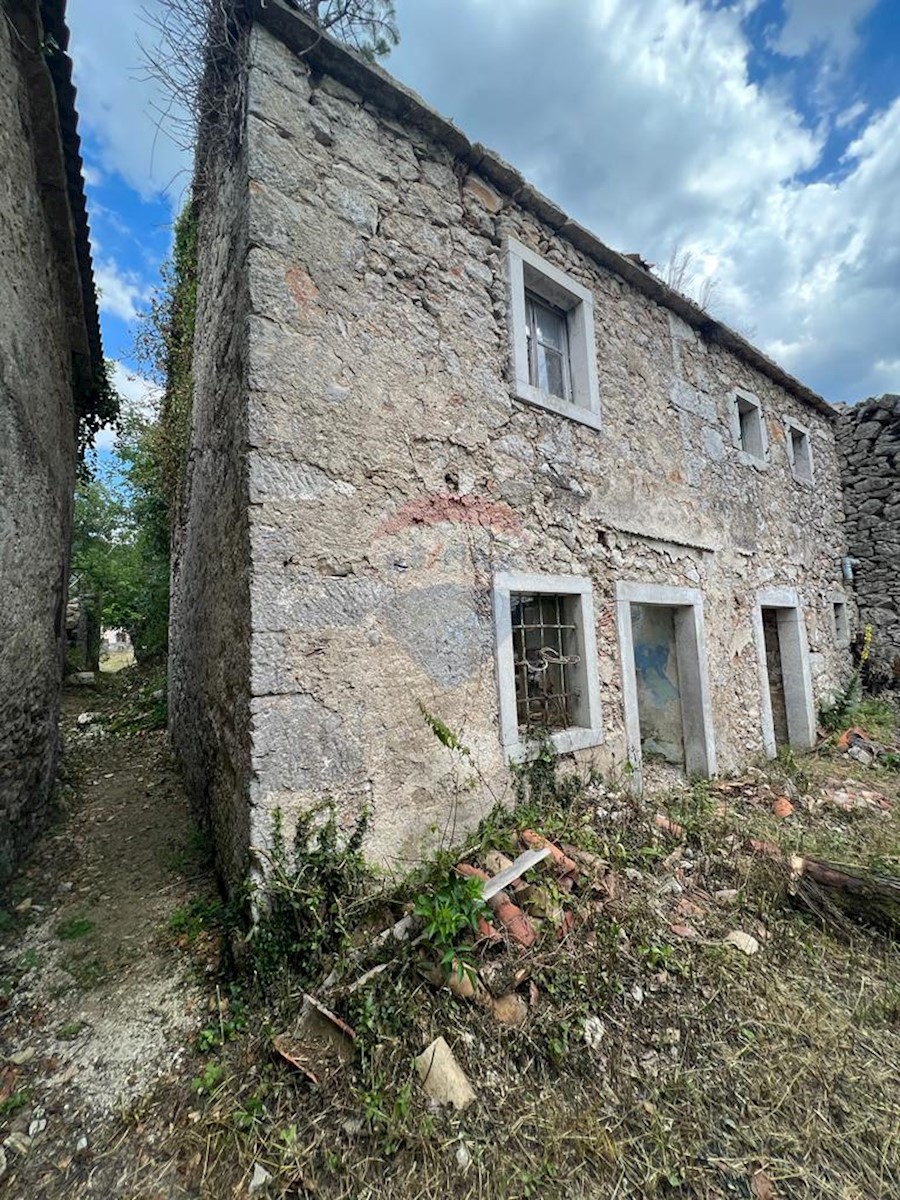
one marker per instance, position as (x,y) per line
(75,927)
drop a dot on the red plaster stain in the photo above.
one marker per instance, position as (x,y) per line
(458,510)
(301,286)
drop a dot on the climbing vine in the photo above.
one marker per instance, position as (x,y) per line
(165,347)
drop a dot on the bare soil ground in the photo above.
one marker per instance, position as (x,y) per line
(98,1005)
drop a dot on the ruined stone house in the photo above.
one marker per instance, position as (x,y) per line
(50,359)
(451,452)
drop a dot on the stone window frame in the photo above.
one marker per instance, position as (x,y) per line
(740,396)
(667,596)
(790,428)
(840,626)
(579,737)
(527,271)
(801,706)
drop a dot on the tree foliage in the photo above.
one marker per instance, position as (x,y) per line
(165,350)
(369,26)
(120,547)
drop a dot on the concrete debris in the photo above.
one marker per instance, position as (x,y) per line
(258,1180)
(442,1077)
(594,1032)
(18,1142)
(743,941)
(463,1157)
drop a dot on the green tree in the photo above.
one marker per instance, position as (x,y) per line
(120,547)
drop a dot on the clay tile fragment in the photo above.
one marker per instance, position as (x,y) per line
(782,807)
(509,915)
(667,825)
(562,862)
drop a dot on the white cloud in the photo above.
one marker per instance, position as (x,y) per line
(829,25)
(851,115)
(118,104)
(120,293)
(641,118)
(135,389)
(138,393)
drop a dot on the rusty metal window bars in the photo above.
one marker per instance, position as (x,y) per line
(546,641)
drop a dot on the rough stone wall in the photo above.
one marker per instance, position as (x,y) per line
(869,443)
(209,634)
(37,470)
(391,473)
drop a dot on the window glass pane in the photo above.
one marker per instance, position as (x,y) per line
(551,371)
(551,327)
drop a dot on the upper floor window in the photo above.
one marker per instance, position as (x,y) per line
(748,427)
(799,451)
(554,355)
(549,365)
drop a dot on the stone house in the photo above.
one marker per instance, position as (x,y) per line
(50,360)
(451,452)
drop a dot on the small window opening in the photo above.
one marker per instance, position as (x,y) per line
(545,657)
(841,623)
(800,453)
(750,428)
(549,366)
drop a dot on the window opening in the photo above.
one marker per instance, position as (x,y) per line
(545,653)
(841,623)
(750,428)
(548,347)
(800,453)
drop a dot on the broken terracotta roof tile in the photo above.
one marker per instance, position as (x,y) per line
(562,862)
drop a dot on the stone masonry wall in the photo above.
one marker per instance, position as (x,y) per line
(391,473)
(209,635)
(869,443)
(37,468)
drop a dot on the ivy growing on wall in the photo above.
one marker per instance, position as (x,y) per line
(165,347)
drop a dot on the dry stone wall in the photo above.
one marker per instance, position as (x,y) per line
(391,472)
(37,466)
(869,443)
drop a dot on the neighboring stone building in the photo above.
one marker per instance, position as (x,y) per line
(449,450)
(50,360)
(869,444)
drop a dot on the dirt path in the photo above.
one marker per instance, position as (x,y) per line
(98,1005)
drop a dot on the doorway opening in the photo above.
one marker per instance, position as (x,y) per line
(788,715)
(668,715)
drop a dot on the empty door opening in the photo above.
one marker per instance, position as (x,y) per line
(668,714)
(658,688)
(775,677)
(788,716)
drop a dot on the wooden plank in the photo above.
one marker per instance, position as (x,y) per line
(523,863)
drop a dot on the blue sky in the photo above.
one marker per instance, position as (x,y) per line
(761,136)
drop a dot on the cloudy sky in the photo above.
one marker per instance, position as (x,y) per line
(761,136)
